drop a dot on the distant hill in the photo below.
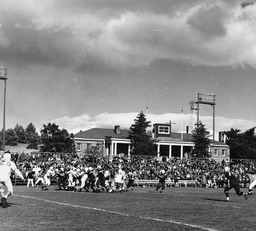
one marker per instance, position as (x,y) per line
(20,148)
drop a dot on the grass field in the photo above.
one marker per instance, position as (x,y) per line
(142,209)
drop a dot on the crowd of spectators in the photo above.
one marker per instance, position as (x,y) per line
(205,172)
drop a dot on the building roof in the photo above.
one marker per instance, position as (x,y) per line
(103,133)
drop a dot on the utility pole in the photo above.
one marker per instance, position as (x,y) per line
(3,76)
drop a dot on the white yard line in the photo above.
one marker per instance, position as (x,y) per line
(117,213)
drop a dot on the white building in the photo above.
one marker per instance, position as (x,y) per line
(169,144)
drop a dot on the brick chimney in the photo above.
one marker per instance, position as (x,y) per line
(117,129)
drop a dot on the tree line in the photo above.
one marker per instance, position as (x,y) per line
(50,139)
(242,144)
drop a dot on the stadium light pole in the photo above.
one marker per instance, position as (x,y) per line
(209,99)
(182,125)
(3,76)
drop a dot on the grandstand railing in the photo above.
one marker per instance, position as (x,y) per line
(184,183)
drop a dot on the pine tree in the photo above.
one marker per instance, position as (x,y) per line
(201,141)
(242,145)
(20,134)
(54,139)
(141,142)
(10,137)
(32,137)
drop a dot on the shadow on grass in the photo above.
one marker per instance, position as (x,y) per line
(10,205)
(212,199)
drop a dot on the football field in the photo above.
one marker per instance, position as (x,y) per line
(141,209)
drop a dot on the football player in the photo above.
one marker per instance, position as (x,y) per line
(252,179)
(131,179)
(6,168)
(232,182)
(47,178)
(162,176)
(100,182)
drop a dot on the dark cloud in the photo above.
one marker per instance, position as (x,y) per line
(29,45)
(97,67)
(209,21)
(99,37)
(113,8)
(245,4)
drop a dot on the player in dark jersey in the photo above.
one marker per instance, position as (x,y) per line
(131,179)
(232,182)
(62,178)
(162,176)
(100,183)
(91,180)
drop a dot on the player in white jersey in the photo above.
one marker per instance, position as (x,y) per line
(120,180)
(6,168)
(47,178)
(252,178)
(84,177)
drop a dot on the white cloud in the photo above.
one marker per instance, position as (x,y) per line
(74,124)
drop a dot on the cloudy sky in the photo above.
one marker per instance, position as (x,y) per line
(98,63)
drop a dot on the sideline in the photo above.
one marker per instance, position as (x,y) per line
(117,213)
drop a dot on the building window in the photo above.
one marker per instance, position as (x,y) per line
(216,152)
(164,130)
(223,152)
(78,146)
(88,146)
